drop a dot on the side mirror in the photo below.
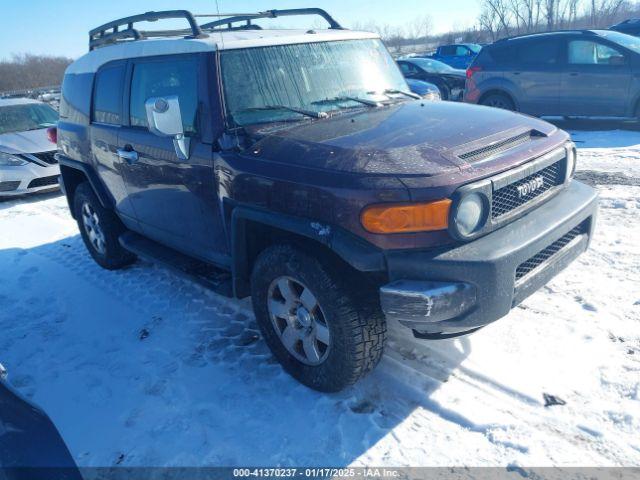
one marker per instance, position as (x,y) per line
(165,120)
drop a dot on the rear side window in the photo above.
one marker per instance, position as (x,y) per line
(541,52)
(107,95)
(163,79)
(448,50)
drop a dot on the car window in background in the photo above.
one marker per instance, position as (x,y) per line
(587,52)
(474,48)
(162,79)
(22,118)
(107,96)
(432,66)
(448,50)
(407,68)
(461,50)
(541,52)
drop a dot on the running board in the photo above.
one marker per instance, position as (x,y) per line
(205,274)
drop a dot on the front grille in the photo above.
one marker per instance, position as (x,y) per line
(496,148)
(507,199)
(47,157)
(525,268)
(9,186)
(43,182)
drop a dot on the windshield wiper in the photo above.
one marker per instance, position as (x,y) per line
(301,111)
(364,101)
(402,92)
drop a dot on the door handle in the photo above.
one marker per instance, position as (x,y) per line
(516,73)
(574,74)
(129,155)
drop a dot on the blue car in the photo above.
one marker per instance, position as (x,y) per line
(459,55)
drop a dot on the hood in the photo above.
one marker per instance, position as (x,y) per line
(411,138)
(31,141)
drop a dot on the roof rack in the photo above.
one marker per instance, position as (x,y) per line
(515,37)
(228,22)
(101,35)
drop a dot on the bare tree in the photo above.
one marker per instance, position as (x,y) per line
(31,71)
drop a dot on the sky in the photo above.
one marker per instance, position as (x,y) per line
(61,27)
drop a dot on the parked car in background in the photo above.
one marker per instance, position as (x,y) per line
(569,73)
(459,55)
(450,81)
(426,90)
(30,445)
(630,27)
(27,147)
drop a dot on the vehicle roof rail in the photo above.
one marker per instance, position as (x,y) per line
(533,34)
(111,32)
(227,23)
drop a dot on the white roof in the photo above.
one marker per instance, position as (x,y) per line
(5,102)
(225,40)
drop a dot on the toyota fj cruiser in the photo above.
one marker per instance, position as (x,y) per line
(294,167)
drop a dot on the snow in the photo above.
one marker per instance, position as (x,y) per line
(141,368)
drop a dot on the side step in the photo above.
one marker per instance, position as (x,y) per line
(205,274)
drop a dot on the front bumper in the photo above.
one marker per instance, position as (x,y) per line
(456,290)
(28,178)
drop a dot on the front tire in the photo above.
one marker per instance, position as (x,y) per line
(325,333)
(498,100)
(100,229)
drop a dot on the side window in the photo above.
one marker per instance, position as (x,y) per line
(541,52)
(448,50)
(107,95)
(461,51)
(162,79)
(587,52)
(407,68)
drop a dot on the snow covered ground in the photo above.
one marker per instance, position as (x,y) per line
(140,368)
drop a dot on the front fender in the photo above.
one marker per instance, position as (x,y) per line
(358,253)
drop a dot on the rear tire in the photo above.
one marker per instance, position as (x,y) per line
(344,322)
(100,229)
(498,100)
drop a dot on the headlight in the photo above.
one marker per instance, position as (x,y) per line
(432,96)
(470,214)
(572,160)
(7,160)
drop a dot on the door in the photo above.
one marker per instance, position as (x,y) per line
(106,119)
(536,74)
(597,79)
(175,200)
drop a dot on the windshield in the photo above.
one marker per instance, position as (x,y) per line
(263,84)
(432,66)
(474,47)
(30,116)
(628,41)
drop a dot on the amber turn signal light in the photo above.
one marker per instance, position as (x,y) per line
(407,217)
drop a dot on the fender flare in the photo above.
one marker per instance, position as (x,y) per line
(104,196)
(355,251)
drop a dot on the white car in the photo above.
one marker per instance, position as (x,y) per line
(27,162)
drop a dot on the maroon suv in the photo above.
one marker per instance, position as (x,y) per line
(294,166)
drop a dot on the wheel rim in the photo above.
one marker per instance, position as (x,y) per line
(498,103)
(93,229)
(298,320)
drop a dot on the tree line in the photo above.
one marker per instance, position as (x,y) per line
(505,18)
(23,72)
